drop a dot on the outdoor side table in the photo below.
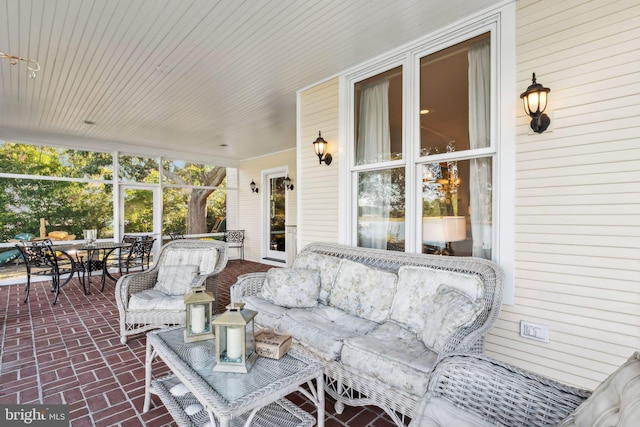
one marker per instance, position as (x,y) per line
(227,398)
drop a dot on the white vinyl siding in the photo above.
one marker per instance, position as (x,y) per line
(577,207)
(318,200)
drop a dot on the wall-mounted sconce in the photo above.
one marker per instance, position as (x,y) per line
(320,147)
(535,102)
(254,187)
(287,183)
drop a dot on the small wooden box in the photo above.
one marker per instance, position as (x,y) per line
(272,344)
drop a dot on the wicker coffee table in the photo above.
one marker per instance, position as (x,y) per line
(195,395)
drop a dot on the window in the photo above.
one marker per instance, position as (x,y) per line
(455,119)
(444,181)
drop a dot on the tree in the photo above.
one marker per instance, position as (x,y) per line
(191,174)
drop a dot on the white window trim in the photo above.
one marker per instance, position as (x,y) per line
(500,20)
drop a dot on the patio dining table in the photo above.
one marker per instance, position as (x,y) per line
(94,261)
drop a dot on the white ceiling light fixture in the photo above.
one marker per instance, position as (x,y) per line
(32,65)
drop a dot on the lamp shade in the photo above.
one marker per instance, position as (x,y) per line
(444,229)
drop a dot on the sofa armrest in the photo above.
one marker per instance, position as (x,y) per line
(500,393)
(246,285)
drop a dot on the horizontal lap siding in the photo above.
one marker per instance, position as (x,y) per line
(318,214)
(250,207)
(577,192)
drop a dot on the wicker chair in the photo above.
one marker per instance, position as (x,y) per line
(177,252)
(477,390)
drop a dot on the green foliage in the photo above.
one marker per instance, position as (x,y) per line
(74,206)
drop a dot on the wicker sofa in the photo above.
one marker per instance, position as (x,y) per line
(379,320)
(471,390)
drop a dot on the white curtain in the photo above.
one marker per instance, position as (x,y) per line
(479,134)
(373,146)
(374,137)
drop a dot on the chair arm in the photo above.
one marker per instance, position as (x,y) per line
(501,393)
(246,285)
(133,283)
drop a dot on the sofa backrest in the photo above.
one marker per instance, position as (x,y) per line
(480,271)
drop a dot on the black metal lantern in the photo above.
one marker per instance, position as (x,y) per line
(535,102)
(235,339)
(254,187)
(287,183)
(320,148)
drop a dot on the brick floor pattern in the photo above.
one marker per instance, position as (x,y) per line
(71,354)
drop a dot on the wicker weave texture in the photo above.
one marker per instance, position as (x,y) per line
(135,322)
(280,413)
(229,395)
(353,388)
(502,393)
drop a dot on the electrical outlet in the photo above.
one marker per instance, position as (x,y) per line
(534,331)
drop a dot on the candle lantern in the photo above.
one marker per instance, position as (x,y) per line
(235,339)
(199,304)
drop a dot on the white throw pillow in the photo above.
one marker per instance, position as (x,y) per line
(328,266)
(292,287)
(450,310)
(204,258)
(175,279)
(363,291)
(417,287)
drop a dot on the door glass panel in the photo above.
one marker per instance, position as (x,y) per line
(277,211)
(138,211)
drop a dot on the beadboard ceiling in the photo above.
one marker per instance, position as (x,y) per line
(204,80)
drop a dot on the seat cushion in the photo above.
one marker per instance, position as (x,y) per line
(615,402)
(269,314)
(326,264)
(439,412)
(151,299)
(292,287)
(175,279)
(363,291)
(323,329)
(393,355)
(204,258)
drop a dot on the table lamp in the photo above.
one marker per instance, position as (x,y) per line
(445,229)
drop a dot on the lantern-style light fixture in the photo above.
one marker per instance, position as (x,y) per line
(535,102)
(254,187)
(287,183)
(235,339)
(320,147)
(199,304)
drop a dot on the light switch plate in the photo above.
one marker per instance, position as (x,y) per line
(534,331)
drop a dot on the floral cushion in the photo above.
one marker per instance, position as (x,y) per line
(175,279)
(451,309)
(363,291)
(292,287)
(328,266)
(417,287)
(204,258)
(392,354)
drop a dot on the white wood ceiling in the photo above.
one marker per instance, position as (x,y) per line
(183,77)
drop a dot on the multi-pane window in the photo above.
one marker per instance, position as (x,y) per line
(448,155)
